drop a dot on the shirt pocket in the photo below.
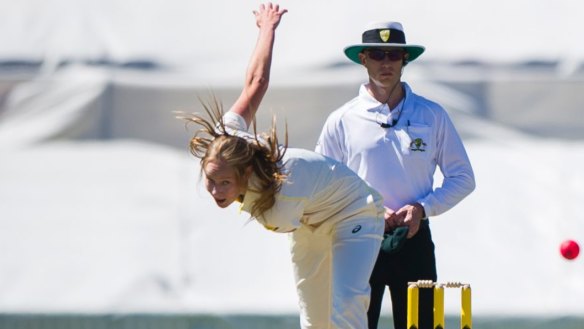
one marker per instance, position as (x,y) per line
(415,141)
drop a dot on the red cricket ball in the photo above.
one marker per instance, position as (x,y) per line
(570,249)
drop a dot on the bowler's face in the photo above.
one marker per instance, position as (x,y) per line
(221,182)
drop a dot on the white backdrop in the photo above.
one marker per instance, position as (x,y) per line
(212,39)
(101,209)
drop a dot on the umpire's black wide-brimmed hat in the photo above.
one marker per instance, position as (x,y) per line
(381,35)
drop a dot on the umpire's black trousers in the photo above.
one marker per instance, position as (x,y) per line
(415,261)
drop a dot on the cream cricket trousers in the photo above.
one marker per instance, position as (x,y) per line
(332,273)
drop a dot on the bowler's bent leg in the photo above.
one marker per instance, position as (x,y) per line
(356,244)
(311,261)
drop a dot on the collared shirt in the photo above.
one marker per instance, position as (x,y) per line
(318,191)
(400,161)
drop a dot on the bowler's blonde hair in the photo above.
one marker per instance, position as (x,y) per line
(263,153)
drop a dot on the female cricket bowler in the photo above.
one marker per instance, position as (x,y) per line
(334,218)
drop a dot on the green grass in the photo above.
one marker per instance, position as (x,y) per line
(199,321)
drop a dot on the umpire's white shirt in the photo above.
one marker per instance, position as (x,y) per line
(400,161)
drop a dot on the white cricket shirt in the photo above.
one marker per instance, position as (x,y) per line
(318,192)
(400,161)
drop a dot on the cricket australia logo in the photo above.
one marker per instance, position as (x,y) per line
(418,145)
(384,35)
